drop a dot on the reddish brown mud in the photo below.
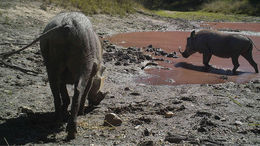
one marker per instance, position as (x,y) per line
(190,70)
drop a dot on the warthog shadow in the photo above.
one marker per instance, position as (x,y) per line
(210,70)
(34,128)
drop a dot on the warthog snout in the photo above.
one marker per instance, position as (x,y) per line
(184,54)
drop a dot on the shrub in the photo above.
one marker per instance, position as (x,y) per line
(248,7)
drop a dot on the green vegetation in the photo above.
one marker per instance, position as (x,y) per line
(206,10)
(248,7)
(113,7)
(203,16)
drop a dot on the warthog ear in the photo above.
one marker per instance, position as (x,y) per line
(192,34)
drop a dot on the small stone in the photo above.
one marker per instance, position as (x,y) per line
(18,77)
(175,138)
(169,114)
(146,132)
(135,94)
(150,46)
(222,119)
(24,109)
(112,119)
(223,77)
(146,143)
(151,64)
(127,89)
(148,57)
(118,63)
(112,46)
(238,123)
(137,127)
(217,117)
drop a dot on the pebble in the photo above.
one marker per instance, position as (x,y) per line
(24,109)
(112,119)
(169,114)
(135,94)
(127,89)
(147,132)
(238,123)
(137,127)
(152,64)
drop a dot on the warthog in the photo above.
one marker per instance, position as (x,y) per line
(210,43)
(72,53)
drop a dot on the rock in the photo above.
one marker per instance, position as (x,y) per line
(18,77)
(181,108)
(137,127)
(146,132)
(151,64)
(169,114)
(112,119)
(158,59)
(127,89)
(146,143)
(135,94)
(203,114)
(26,110)
(112,46)
(118,63)
(163,53)
(256,81)
(174,138)
(172,55)
(238,123)
(217,117)
(148,57)
(223,77)
(223,119)
(149,50)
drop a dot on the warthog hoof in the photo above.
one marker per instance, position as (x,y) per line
(71,135)
(72,130)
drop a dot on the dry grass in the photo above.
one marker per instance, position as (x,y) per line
(112,7)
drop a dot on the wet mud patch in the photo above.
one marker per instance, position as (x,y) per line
(170,68)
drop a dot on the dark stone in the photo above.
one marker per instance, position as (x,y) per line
(146,143)
(118,63)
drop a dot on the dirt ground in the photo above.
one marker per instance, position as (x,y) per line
(214,114)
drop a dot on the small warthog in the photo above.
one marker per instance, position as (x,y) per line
(210,43)
(72,53)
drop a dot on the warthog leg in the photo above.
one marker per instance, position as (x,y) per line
(65,100)
(206,59)
(248,56)
(83,99)
(80,90)
(53,80)
(235,63)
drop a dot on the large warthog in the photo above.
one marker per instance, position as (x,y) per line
(72,53)
(210,43)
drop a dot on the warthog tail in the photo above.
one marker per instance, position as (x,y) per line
(45,34)
(253,44)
